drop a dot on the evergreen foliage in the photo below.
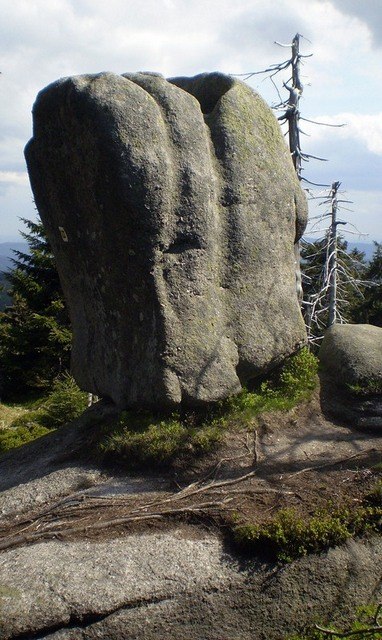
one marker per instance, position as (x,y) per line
(35,334)
(4,297)
(369,310)
(65,402)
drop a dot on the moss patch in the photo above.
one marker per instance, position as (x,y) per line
(289,536)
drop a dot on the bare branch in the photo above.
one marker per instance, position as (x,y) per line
(324,124)
(309,155)
(280,44)
(316,184)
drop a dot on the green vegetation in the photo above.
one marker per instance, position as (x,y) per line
(19,426)
(35,335)
(366,388)
(4,297)
(289,536)
(65,402)
(141,438)
(367,624)
(295,380)
(285,387)
(369,309)
(8,414)
(18,435)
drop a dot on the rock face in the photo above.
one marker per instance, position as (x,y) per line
(60,582)
(352,353)
(351,359)
(172,209)
(168,587)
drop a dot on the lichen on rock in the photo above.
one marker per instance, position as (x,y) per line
(172,209)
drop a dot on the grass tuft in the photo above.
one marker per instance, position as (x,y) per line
(65,402)
(140,438)
(365,388)
(9,413)
(16,437)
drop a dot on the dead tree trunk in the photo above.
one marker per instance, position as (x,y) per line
(332,257)
(293,113)
(293,117)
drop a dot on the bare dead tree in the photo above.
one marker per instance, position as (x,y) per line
(332,258)
(290,106)
(325,307)
(340,271)
(290,116)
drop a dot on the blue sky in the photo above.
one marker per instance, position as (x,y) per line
(41,41)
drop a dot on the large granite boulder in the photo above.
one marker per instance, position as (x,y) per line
(351,363)
(172,209)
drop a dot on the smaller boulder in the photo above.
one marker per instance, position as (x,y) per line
(351,363)
(352,353)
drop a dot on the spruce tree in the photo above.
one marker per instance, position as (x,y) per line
(369,310)
(35,333)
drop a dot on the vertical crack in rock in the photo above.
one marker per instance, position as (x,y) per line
(263,208)
(171,208)
(185,274)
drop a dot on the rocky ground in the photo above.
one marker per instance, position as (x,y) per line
(89,552)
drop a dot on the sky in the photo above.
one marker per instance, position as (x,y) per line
(42,41)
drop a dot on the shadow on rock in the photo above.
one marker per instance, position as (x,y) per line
(59,450)
(346,409)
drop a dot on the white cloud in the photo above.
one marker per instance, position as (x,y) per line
(363,128)
(14,178)
(41,41)
(12,153)
(368,11)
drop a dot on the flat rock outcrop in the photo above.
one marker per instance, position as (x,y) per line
(169,586)
(71,568)
(351,361)
(172,208)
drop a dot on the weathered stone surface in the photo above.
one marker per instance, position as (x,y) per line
(166,586)
(351,361)
(352,353)
(178,583)
(172,208)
